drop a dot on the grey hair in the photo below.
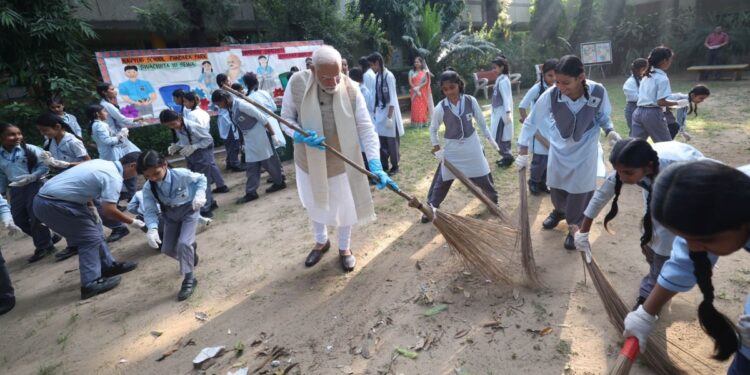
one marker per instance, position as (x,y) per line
(326,55)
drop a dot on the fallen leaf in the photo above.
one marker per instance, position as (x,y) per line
(256,343)
(418,265)
(437,309)
(156,333)
(461,333)
(406,353)
(420,344)
(545,331)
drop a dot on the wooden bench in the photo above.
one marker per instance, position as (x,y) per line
(484,80)
(736,69)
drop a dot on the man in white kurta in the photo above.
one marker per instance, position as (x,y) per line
(330,107)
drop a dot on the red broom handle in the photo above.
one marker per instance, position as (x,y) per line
(627,356)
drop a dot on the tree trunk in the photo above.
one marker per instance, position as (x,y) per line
(613,12)
(546,19)
(197,33)
(580,33)
(491,11)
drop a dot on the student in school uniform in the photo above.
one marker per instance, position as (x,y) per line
(707,205)
(118,124)
(636,162)
(264,97)
(501,119)
(538,140)
(648,117)
(177,97)
(64,150)
(686,104)
(21,175)
(578,108)
(462,146)
(7,293)
(228,132)
(193,112)
(259,144)
(56,105)
(368,80)
(137,208)
(65,205)
(195,144)
(386,114)
(631,86)
(179,195)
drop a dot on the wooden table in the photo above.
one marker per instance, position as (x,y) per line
(736,69)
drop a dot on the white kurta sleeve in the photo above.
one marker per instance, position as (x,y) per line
(507,93)
(391,82)
(366,130)
(289,110)
(437,119)
(602,117)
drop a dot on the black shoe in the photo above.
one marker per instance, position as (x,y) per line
(393,171)
(544,187)
(56,238)
(347,262)
(7,305)
(208,214)
(221,190)
(195,252)
(552,220)
(214,205)
(188,286)
(118,268)
(569,242)
(99,286)
(235,169)
(534,188)
(249,197)
(316,254)
(41,253)
(639,302)
(505,162)
(424,219)
(66,253)
(276,187)
(117,234)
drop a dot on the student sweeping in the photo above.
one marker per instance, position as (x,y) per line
(686,104)
(501,119)
(7,294)
(179,195)
(462,147)
(21,176)
(259,143)
(56,106)
(631,87)
(264,98)
(537,137)
(636,162)
(193,112)
(229,133)
(195,144)
(573,112)
(707,205)
(653,93)
(65,205)
(386,114)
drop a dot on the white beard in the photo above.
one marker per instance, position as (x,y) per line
(328,91)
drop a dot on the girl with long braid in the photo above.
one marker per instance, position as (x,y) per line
(636,162)
(653,93)
(687,104)
(631,86)
(707,205)
(386,114)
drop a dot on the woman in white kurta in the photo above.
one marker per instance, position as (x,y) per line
(501,120)
(387,114)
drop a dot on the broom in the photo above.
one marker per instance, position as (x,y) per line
(477,251)
(656,356)
(527,252)
(626,358)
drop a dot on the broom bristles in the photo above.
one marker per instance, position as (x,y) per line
(626,358)
(527,252)
(477,242)
(656,356)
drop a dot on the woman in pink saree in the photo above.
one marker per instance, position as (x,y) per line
(421,93)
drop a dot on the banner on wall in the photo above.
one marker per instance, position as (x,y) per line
(145,79)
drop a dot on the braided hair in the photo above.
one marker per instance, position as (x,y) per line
(546,67)
(150,159)
(695,91)
(636,67)
(572,66)
(192,97)
(51,120)
(376,57)
(169,115)
(656,57)
(502,62)
(634,153)
(251,81)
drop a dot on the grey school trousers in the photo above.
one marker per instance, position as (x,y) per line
(571,205)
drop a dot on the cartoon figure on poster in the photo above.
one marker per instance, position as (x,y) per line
(234,69)
(265,75)
(137,93)
(207,79)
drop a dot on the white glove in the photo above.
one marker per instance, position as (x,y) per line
(13,230)
(173,148)
(439,155)
(683,103)
(389,123)
(204,221)
(153,238)
(639,324)
(137,224)
(95,215)
(613,137)
(199,201)
(188,150)
(52,162)
(507,118)
(494,144)
(583,245)
(522,161)
(46,155)
(123,134)
(23,180)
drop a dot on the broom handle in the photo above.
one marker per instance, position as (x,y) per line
(476,191)
(413,201)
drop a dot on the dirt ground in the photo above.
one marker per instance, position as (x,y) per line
(256,292)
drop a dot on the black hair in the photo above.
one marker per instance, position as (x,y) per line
(696,90)
(51,120)
(150,159)
(178,93)
(548,65)
(452,76)
(635,69)
(502,62)
(92,113)
(219,95)
(376,57)
(131,157)
(572,66)
(719,195)
(262,57)
(101,88)
(656,57)
(634,153)
(363,64)
(292,70)
(251,81)
(169,115)
(379,77)
(191,96)
(130,67)
(207,62)
(356,74)
(237,87)
(31,158)
(221,80)
(55,99)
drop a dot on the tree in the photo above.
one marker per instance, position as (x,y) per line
(204,21)
(545,20)
(399,16)
(584,21)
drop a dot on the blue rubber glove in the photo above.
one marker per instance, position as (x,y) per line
(312,140)
(383,178)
